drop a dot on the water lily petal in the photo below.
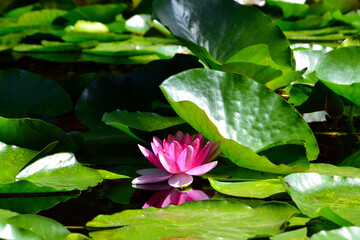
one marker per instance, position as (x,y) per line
(214,152)
(151,178)
(196,145)
(200,158)
(156,145)
(170,138)
(181,198)
(151,157)
(179,135)
(196,195)
(200,137)
(202,169)
(186,139)
(185,159)
(168,163)
(175,150)
(180,180)
(148,171)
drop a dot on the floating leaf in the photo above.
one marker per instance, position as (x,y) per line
(139,24)
(43,17)
(299,234)
(46,46)
(339,70)
(344,233)
(32,227)
(104,13)
(110,175)
(335,198)
(145,121)
(250,189)
(60,171)
(230,28)
(17,132)
(24,94)
(224,108)
(195,220)
(332,170)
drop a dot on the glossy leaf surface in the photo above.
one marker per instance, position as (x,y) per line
(339,70)
(335,198)
(221,28)
(231,113)
(250,189)
(197,220)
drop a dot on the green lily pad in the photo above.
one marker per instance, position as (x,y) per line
(110,175)
(43,17)
(290,9)
(104,13)
(46,46)
(139,24)
(17,131)
(250,189)
(299,234)
(332,170)
(32,227)
(145,121)
(339,70)
(33,203)
(195,220)
(224,108)
(77,37)
(353,160)
(333,197)
(344,233)
(230,28)
(24,94)
(12,160)
(60,171)
(9,41)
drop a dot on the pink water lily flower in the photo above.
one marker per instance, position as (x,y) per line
(178,158)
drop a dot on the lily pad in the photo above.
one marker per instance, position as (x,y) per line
(344,233)
(339,70)
(23,93)
(333,197)
(60,171)
(230,28)
(32,227)
(43,17)
(195,220)
(139,24)
(145,121)
(250,189)
(224,108)
(17,131)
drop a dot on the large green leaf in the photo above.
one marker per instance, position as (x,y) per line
(344,233)
(196,220)
(12,160)
(221,28)
(243,114)
(104,13)
(339,70)
(145,121)
(332,170)
(43,17)
(333,197)
(47,46)
(60,171)
(32,227)
(24,94)
(18,131)
(250,189)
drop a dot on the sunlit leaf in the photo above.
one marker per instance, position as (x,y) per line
(339,70)
(43,17)
(333,197)
(223,107)
(196,220)
(344,233)
(250,189)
